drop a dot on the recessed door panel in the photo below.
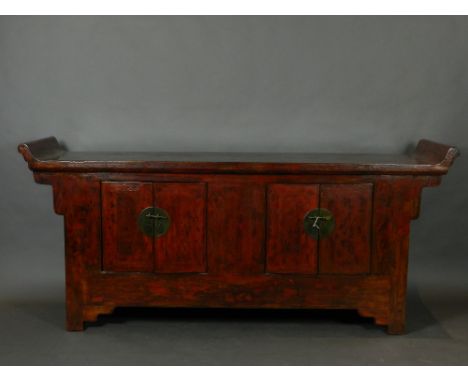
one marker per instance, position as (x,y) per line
(125,247)
(347,250)
(236,228)
(182,247)
(289,248)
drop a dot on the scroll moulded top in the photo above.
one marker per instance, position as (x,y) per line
(428,158)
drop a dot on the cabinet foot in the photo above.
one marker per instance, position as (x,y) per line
(89,313)
(75,325)
(396,328)
(380,316)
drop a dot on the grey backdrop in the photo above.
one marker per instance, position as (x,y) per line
(297,84)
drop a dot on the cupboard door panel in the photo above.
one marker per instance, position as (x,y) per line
(236,228)
(348,249)
(289,248)
(125,247)
(182,247)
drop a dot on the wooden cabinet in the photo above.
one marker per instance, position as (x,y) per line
(237,230)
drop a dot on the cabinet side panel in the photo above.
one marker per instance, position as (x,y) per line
(182,248)
(78,199)
(348,249)
(125,247)
(396,203)
(289,248)
(236,228)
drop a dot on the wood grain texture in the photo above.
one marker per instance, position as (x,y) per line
(78,199)
(289,248)
(236,228)
(182,248)
(348,249)
(125,247)
(243,291)
(434,153)
(396,202)
(222,199)
(429,158)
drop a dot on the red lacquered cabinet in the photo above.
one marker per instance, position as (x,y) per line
(237,230)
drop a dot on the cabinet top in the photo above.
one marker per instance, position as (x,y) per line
(428,158)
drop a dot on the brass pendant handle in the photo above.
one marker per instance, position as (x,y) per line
(158,216)
(319,223)
(154,221)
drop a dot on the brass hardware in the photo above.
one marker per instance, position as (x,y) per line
(319,223)
(154,221)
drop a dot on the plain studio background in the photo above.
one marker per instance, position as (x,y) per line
(278,84)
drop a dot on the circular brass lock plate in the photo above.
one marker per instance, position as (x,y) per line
(154,221)
(319,223)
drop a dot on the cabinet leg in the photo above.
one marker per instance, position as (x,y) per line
(397,321)
(396,324)
(74,307)
(396,327)
(75,321)
(75,325)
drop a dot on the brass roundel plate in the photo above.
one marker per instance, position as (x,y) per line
(154,221)
(319,223)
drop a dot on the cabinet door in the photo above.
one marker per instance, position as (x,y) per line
(125,247)
(348,249)
(289,248)
(182,247)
